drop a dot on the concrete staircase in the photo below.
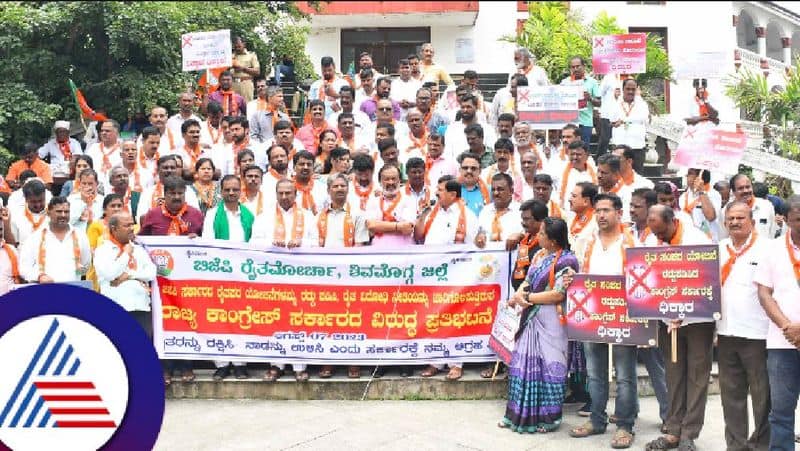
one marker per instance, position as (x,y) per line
(339,387)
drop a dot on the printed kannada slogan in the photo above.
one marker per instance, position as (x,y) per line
(549,107)
(673,282)
(225,301)
(597,312)
(619,53)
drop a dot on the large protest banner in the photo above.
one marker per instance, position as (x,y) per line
(548,107)
(711,148)
(619,53)
(216,300)
(206,50)
(673,282)
(597,312)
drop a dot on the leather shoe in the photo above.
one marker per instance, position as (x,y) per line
(222,373)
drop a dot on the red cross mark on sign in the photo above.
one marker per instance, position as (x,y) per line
(522,96)
(187,42)
(638,280)
(579,299)
(689,134)
(598,42)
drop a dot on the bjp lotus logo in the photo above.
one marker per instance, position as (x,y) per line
(488,266)
(163,261)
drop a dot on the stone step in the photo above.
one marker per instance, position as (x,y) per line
(389,387)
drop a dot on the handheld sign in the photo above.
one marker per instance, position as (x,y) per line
(505,327)
(206,50)
(711,148)
(597,312)
(619,53)
(673,282)
(548,107)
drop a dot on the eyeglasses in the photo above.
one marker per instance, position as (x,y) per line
(385,109)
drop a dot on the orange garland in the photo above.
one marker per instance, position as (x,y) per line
(279,234)
(792,258)
(308,197)
(35,224)
(131,260)
(349,227)
(523,257)
(12,258)
(177,225)
(76,252)
(461,227)
(578,224)
(627,241)
(733,256)
(565,178)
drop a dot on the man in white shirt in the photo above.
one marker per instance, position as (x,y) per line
(125,271)
(169,141)
(526,65)
(185,112)
(629,176)
(363,186)
(311,191)
(763,210)
(256,200)
(278,169)
(610,90)
(507,163)
(392,214)
(363,125)
(415,142)
(234,223)
(580,217)
(288,226)
(604,255)
(9,259)
(56,253)
(210,129)
(106,153)
(404,89)
(778,279)
(340,225)
(365,63)
(701,202)
(687,379)
(148,145)
(60,148)
(85,205)
(327,88)
(436,164)
(348,137)
(629,119)
(576,171)
(500,219)
(455,139)
(742,332)
(449,222)
(25,221)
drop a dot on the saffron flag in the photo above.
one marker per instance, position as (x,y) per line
(83,107)
(209,79)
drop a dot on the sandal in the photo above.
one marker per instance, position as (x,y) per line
(622,439)
(661,443)
(503,425)
(187,376)
(487,372)
(326,371)
(430,371)
(354,372)
(585,430)
(273,374)
(455,374)
(301,376)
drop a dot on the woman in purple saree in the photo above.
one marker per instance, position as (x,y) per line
(538,370)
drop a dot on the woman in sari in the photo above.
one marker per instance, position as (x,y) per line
(204,186)
(538,370)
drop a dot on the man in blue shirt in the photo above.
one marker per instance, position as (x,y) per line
(473,190)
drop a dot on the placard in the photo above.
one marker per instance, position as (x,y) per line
(709,65)
(673,282)
(504,329)
(705,147)
(548,107)
(619,53)
(206,50)
(597,312)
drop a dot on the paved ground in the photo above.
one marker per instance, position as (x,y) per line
(386,425)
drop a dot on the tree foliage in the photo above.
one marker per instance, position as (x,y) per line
(554,33)
(125,56)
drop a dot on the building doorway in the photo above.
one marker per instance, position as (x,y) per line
(387,46)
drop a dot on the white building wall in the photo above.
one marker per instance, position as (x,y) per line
(691,27)
(495,19)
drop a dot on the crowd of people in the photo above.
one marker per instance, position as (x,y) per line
(416,160)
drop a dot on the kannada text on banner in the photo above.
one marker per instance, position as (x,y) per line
(710,148)
(597,312)
(549,107)
(673,282)
(206,50)
(619,53)
(237,302)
